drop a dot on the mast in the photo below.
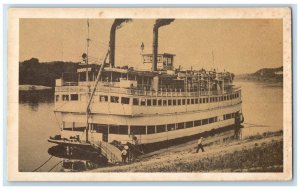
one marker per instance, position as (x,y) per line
(87,79)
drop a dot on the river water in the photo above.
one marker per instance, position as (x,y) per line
(262,109)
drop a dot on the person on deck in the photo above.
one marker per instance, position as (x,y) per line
(200,145)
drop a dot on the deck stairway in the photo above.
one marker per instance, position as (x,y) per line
(112,153)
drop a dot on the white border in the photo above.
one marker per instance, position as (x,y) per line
(12,102)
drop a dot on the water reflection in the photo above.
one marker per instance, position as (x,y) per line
(34,97)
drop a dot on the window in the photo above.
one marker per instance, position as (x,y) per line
(138,130)
(154,101)
(169,102)
(192,101)
(206,100)
(164,102)
(211,120)
(74,97)
(65,97)
(233,115)
(227,116)
(148,102)
(159,102)
(143,102)
(171,127)
(200,100)
(113,129)
(183,101)
(196,101)
(174,102)
(160,128)
(103,98)
(188,101)
(125,100)
(179,102)
(150,129)
(114,99)
(135,101)
(57,98)
(211,100)
(123,129)
(197,123)
(100,128)
(189,124)
(180,125)
(204,121)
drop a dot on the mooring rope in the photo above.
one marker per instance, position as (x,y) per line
(255,125)
(55,166)
(42,164)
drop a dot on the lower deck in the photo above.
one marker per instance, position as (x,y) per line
(155,131)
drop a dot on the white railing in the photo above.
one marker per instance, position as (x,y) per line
(138,92)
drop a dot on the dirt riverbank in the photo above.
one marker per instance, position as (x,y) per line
(260,153)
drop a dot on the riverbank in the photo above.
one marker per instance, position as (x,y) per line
(259,153)
(26,87)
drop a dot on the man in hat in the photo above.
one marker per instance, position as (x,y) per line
(200,145)
(124,155)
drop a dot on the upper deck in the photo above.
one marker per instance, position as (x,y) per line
(135,89)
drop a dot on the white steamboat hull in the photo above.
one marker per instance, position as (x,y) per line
(154,119)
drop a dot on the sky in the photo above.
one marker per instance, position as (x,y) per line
(236,45)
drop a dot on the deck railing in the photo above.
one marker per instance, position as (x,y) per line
(139,92)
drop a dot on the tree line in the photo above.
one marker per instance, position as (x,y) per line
(34,72)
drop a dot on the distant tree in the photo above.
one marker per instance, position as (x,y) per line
(32,61)
(35,73)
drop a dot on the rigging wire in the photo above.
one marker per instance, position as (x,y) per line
(55,166)
(253,125)
(57,120)
(43,164)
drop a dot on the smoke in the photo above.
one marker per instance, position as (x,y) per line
(118,23)
(162,22)
(158,23)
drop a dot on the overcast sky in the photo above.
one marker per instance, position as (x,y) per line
(239,46)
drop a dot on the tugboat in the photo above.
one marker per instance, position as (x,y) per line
(107,106)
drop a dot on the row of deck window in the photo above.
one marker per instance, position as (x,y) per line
(165,102)
(152,101)
(152,129)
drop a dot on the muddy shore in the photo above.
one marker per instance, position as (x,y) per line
(259,153)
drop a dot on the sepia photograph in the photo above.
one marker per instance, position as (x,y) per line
(143,93)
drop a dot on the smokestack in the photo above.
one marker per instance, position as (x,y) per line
(112,41)
(157,25)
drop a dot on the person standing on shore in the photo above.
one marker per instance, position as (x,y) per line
(124,155)
(200,145)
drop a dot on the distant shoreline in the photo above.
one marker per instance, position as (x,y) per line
(27,87)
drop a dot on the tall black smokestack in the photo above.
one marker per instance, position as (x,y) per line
(112,41)
(157,25)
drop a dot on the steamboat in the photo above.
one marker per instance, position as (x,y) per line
(108,106)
